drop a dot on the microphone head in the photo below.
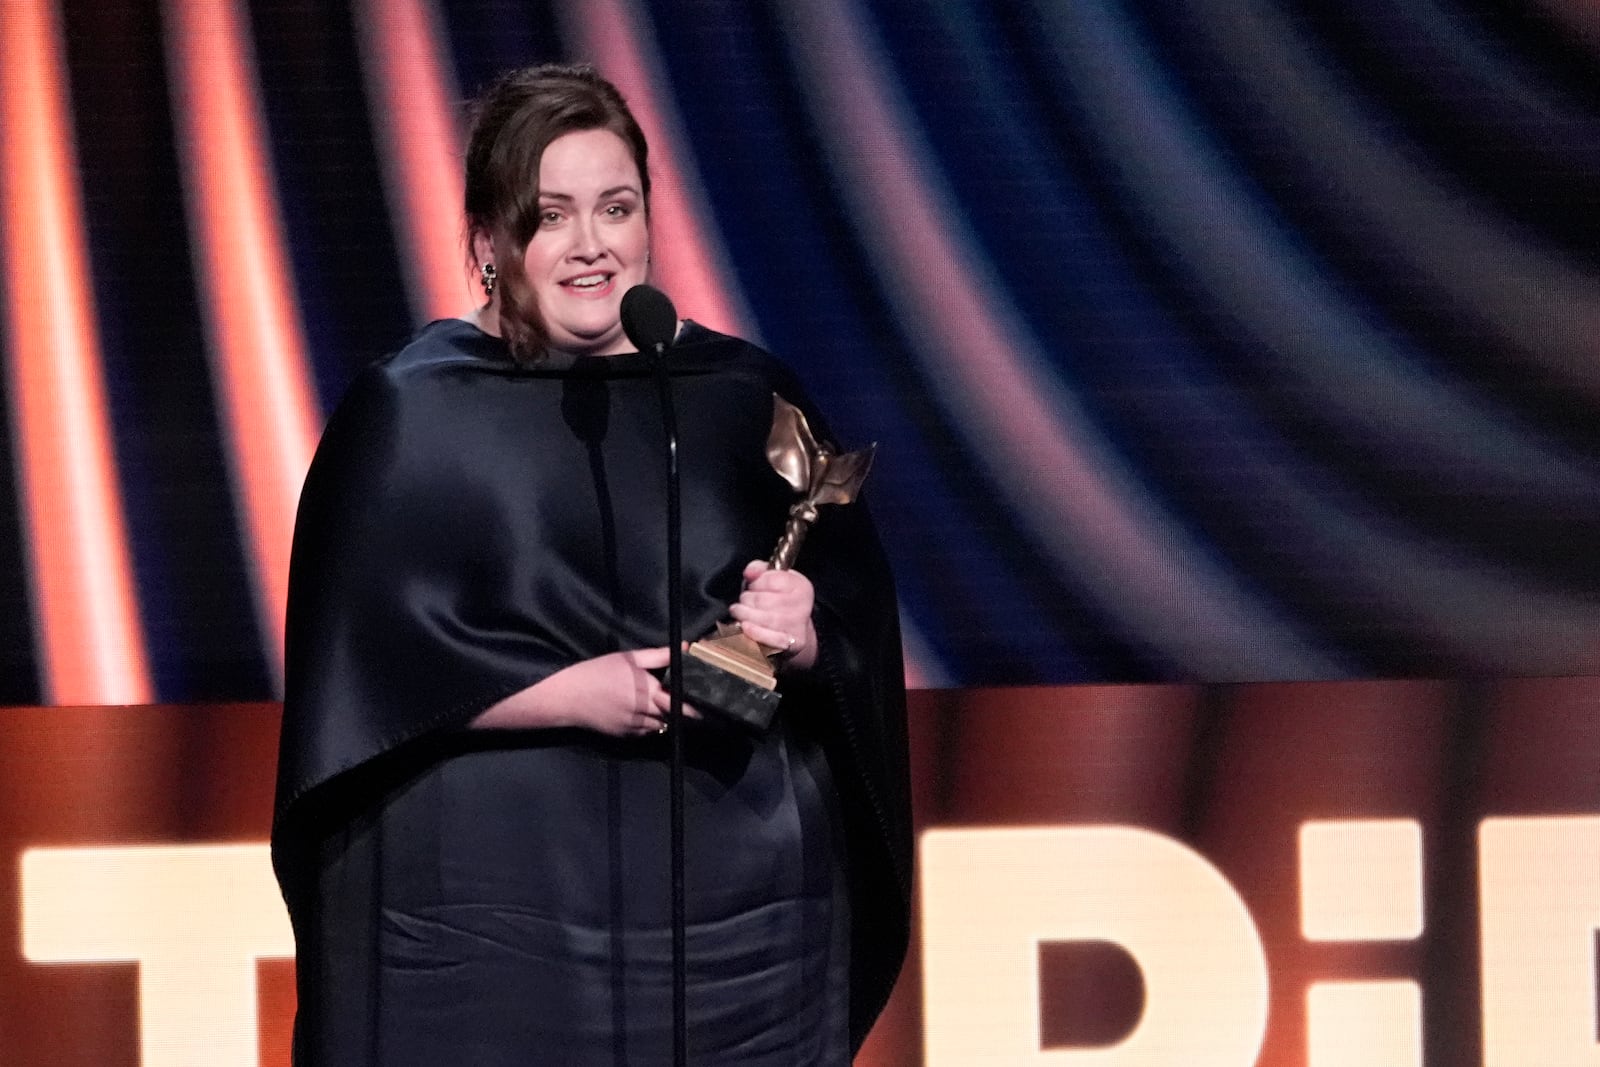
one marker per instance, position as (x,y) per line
(648,318)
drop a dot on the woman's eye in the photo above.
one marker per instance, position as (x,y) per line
(550,218)
(617,211)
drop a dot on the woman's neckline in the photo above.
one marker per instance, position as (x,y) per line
(473,318)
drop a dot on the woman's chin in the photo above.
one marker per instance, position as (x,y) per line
(601,343)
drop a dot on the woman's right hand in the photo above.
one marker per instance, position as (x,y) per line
(612,694)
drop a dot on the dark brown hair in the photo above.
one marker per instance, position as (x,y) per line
(513,121)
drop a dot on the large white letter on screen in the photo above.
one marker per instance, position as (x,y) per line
(990,898)
(1539,880)
(195,918)
(1361,880)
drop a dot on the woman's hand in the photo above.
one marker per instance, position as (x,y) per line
(612,694)
(775,609)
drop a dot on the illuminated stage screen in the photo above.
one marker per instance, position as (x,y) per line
(1224,340)
(1403,874)
(1226,358)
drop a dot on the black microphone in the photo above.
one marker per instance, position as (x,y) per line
(648,318)
(651,323)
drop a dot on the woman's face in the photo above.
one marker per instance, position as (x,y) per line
(593,241)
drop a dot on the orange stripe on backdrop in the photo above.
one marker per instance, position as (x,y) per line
(90,642)
(687,257)
(258,357)
(410,96)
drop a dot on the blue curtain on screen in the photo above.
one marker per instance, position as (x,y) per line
(1210,340)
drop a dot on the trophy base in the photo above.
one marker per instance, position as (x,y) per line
(714,690)
(730,674)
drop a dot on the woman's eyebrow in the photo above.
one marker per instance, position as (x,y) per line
(613,191)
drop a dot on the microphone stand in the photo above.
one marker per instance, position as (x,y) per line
(669,423)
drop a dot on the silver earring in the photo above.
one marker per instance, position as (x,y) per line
(487,275)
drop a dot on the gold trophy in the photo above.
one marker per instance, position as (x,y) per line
(732,672)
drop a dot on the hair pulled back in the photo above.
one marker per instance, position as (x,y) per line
(512,123)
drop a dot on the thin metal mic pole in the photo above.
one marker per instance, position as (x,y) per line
(669,422)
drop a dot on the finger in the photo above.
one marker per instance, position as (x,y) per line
(664,704)
(784,622)
(756,623)
(747,617)
(781,581)
(754,570)
(663,701)
(750,600)
(760,595)
(773,582)
(649,659)
(772,636)
(786,592)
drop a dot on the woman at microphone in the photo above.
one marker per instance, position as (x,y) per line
(471,829)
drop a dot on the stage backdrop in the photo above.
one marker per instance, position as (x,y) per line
(1350,874)
(1213,340)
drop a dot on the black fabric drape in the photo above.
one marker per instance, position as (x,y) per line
(470,526)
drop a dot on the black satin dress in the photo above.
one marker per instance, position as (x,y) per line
(496,898)
(525,908)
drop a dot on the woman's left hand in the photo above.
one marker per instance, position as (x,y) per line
(775,609)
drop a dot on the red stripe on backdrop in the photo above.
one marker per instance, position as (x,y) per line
(90,642)
(259,367)
(687,256)
(410,95)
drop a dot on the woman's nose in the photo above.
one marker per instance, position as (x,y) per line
(586,244)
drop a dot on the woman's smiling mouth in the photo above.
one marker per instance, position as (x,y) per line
(588,283)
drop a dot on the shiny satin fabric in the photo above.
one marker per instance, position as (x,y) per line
(470,526)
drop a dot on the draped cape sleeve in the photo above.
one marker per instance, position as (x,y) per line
(469,526)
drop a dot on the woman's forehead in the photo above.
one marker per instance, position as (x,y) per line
(587,163)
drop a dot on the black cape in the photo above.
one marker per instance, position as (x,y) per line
(470,526)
